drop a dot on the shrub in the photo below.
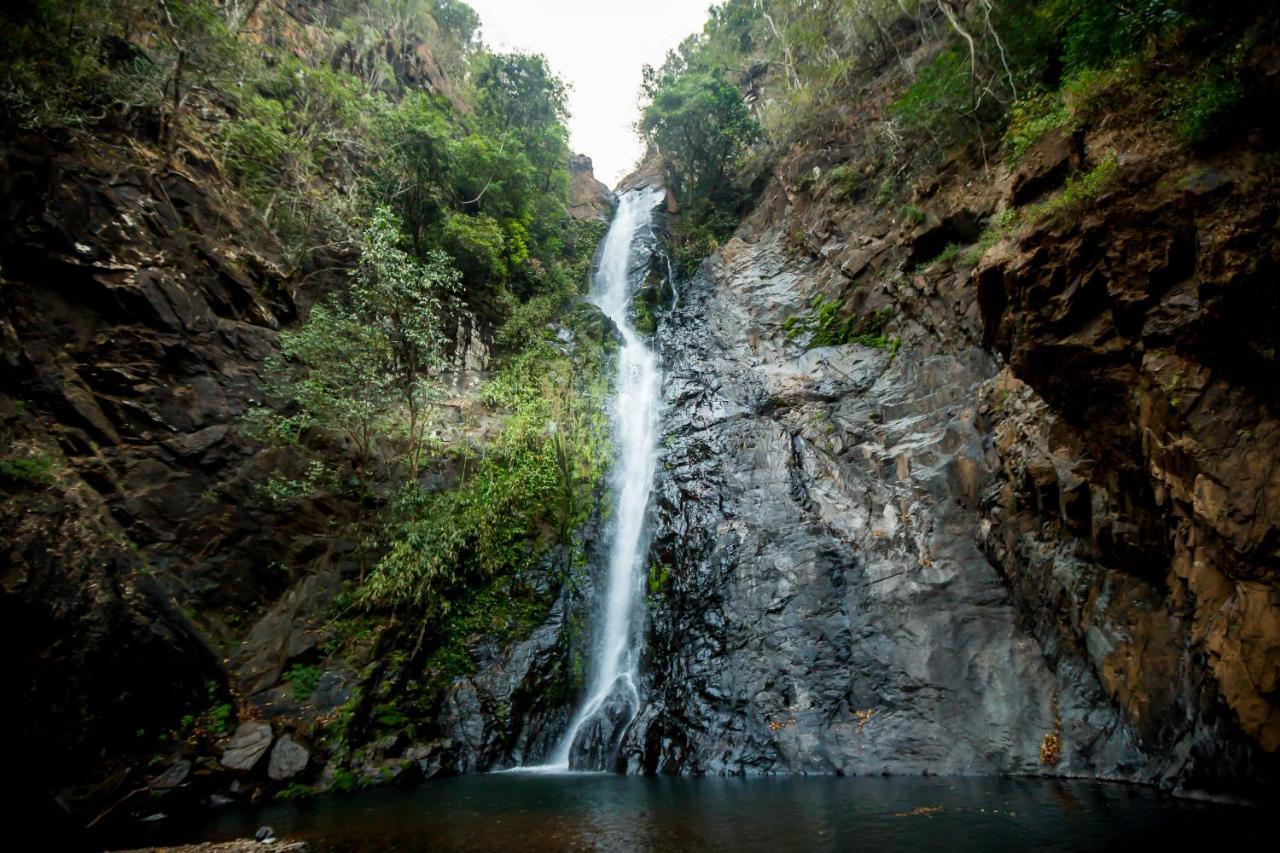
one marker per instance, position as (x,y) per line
(888,191)
(827,324)
(1030,119)
(1078,189)
(947,255)
(940,103)
(997,227)
(1203,104)
(26,472)
(845,180)
(303,680)
(529,489)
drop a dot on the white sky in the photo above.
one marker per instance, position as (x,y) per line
(597,48)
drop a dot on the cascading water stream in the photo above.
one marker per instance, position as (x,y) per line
(612,700)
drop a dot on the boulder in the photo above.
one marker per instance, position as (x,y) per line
(247,746)
(173,777)
(288,759)
(1045,166)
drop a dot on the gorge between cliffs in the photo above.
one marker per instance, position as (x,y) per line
(890,459)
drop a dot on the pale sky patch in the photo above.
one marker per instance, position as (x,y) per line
(597,47)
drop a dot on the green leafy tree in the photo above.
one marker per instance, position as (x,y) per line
(701,124)
(368,355)
(519,95)
(403,300)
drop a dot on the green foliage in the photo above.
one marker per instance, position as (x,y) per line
(1079,188)
(214,720)
(79,66)
(302,680)
(530,321)
(701,124)
(279,490)
(363,364)
(26,472)
(303,136)
(1202,104)
(478,243)
(256,143)
(489,188)
(827,324)
(643,314)
(219,718)
(345,781)
(1111,57)
(914,214)
(845,181)
(947,255)
(693,238)
(940,103)
(1095,33)
(519,94)
(295,791)
(659,578)
(505,610)
(999,226)
(529,489)
(1030,119)
(888,190)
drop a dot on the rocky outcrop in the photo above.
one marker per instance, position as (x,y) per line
(589,199)
(1034,534)
(133,336)
(247,746)
(1141,487)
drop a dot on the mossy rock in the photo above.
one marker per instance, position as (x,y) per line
(589,323)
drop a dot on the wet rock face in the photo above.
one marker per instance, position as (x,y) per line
(511,711)
(827,608)
(1040,538)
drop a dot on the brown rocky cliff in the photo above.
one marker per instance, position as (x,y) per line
(139,299)
(589,199)
(1140,444)
(135,324)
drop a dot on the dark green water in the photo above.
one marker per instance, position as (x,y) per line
(606,812)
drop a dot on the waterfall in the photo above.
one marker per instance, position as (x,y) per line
(612,699)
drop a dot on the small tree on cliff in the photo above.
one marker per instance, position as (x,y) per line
(402,299)
(364,364)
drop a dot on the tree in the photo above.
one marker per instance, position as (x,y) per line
(402,300)
(364,363)
(701,124)
(519,95)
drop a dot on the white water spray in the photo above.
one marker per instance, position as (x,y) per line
(617,649)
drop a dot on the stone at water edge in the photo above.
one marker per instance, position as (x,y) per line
(173,777)
(288,759)
(247,746)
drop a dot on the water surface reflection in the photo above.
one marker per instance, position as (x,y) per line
(547,812)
